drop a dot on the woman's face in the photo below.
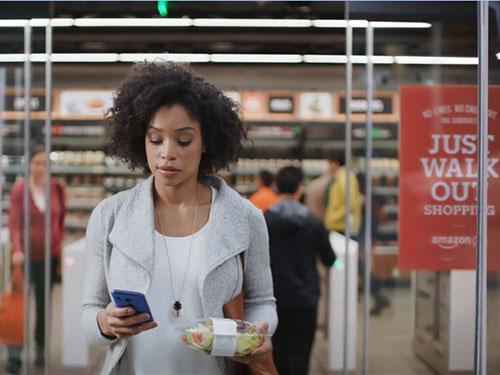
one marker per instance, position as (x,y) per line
(173,146)
(37,167)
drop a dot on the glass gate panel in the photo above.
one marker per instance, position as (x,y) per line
(493,276)
(424,177)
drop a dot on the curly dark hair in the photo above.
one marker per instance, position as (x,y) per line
(150,86)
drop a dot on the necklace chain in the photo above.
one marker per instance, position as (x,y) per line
(177,301)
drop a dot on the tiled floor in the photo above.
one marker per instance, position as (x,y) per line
(390,351)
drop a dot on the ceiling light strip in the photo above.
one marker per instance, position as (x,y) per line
(62,22)
(84,57)
(208,22)
(256,58)
(400,25)
(325,59)
(177,57)
(250,22)
(435,60)
(376,59)
(12,57)
(342,59)
(62,57)
(13,23)
(237,58)
(133,22)
(39,22)
(325,23)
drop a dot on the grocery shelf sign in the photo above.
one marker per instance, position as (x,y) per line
(359,104)
(269,105)
(280,104)
(93,103)
(438,177)
(316,105)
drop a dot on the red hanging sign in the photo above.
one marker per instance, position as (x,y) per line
(438,177)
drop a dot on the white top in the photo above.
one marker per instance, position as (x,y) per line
(160,350)
(39,199)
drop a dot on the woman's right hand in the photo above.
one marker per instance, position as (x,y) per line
(122,322)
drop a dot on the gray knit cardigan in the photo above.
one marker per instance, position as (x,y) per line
(119,245)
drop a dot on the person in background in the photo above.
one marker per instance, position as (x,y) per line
(37,243)
(297,239)
(380,301)
(335,214)
(315,198)
(335,208)
(265,196)
(178,235)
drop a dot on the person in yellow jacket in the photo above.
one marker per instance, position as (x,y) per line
(335,211)
(334,199)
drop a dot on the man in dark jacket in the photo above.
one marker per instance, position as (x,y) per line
(296,239)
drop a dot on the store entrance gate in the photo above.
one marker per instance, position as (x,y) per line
(371,152)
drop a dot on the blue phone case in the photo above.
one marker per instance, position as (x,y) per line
(125,298)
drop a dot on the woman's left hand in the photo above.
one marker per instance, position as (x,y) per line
(262,350)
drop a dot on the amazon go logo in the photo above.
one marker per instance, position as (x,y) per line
(450,242)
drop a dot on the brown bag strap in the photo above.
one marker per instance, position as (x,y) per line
(234,309)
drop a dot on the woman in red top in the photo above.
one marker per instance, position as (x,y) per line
(37,242)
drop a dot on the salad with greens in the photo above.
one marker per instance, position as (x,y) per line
(200,337)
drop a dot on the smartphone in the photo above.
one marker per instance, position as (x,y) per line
(136,300)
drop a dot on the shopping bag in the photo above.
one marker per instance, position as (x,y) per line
(12,311)
(234,309)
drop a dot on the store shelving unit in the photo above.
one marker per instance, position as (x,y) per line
(290,133)
(78,157)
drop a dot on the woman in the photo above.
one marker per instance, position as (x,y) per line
(178,235)
(37,242)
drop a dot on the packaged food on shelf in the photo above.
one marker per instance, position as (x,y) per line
(112,162)
(77,158)
(314,166)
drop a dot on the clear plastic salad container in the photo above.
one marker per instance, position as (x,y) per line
(221,337)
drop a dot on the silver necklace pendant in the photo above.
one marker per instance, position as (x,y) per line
(177,309)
